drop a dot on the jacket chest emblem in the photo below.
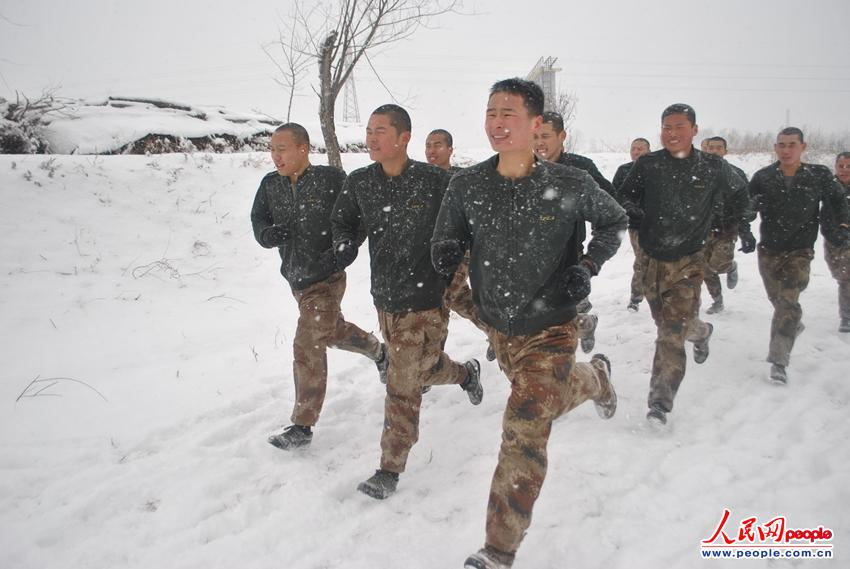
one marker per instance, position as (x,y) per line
(546,218)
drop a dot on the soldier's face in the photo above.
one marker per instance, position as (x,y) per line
(509,125)
(789,149)
(716,147)
(842,170)
(677,134)
(288,155)
(384,141)
(638,149)
(437,151)
(549,144)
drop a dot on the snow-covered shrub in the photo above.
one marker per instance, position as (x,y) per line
(22,124)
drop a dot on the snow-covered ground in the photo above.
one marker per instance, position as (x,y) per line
(147,355)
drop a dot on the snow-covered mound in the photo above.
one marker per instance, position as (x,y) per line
(138,126)
(147,350)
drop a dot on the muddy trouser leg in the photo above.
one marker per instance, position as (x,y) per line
(711,278)
(638,266)
(320,324)
(546,382)
(719,256)
(785,275)
(414,341)
(838,260)
(585,325)
(458,296)
(348,336)
(673,293)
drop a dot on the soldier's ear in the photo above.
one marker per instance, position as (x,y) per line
(536,123)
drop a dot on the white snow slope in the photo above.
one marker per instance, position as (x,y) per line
(137,283)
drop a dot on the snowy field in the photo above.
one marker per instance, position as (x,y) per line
(147,352)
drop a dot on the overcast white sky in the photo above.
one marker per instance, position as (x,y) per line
(740,63)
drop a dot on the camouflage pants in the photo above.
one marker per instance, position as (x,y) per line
(458,296)
(838,261)
(585,326)
(414,344)
(637,266)
(673,291)
(321,325)
(719,254)
(546,382)
(785,275)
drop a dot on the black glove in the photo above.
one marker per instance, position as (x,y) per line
(446,256)
(275,235)
(344,253)
(748,242)
(635,215)
(576,283)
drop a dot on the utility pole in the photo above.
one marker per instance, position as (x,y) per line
(544,73)
(350,110)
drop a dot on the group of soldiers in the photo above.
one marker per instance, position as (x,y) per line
(513,227)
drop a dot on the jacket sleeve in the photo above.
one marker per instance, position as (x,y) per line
(735,193)
(347,219)
(835,201)
(608,222)
(755,189)
(261,215)
(452,221)
(619,176)
(601,180)
(630,192)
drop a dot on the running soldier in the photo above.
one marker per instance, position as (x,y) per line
(720,247)
(787,195)
(836,245)
(639,147)
(291,212)
(526,281)
(396,200)
(438,151)
(674,192)
(549,145)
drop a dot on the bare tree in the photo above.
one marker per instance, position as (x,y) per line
(294,54)
(565,105)
(342,32)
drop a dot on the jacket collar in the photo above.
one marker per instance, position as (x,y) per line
(540,166)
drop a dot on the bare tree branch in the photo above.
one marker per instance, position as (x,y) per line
(341,32)
(296,55)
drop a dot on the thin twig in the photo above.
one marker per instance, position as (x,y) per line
(54,380)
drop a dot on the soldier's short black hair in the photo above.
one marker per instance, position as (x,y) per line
(444,132)
(719,139)
(398,117)
(531,93)
(844,155)
(555,119)
(299,133)
(680,109)
(791,131)
(641,139)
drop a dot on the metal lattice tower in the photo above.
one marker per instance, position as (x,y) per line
(544,74)
(350,109)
